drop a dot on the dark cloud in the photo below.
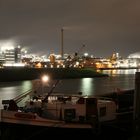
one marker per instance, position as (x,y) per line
(104,26)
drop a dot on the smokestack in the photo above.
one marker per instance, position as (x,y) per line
(62,50)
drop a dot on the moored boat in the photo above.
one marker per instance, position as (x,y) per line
(66,111)
(61,112)
(58,110)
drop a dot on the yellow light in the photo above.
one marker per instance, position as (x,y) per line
(38,65)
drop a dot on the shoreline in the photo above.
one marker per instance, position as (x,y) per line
(19,74)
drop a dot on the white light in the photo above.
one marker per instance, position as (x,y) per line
(77,63)
(14,64)
(85,54)
(45,78)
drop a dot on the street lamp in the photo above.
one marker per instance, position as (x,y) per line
(45,78)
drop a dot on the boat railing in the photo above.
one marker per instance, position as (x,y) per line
(104,98)
(17,99)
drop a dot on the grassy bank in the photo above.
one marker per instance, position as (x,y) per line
(18,74)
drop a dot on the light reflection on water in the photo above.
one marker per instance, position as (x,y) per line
(88,86)
(10,90)
(115,72)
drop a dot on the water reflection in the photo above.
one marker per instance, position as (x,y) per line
(87,86)
(115,72)
(122,79)
(10,90)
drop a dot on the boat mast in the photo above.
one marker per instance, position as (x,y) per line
(50,92)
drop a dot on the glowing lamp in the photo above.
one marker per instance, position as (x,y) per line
(45,78)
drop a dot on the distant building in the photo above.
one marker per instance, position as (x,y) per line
(13,55)
(10,55)
(134,55)
(17,54)
(134,59)
(2,59)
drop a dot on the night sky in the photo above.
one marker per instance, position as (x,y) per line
(103,26)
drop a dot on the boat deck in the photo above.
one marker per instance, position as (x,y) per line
(32,119)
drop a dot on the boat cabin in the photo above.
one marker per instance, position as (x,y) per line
(75,108)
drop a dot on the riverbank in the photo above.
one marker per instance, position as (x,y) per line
(19,74)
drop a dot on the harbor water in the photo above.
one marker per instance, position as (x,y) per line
(118,79)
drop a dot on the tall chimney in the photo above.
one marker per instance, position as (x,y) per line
(62,49)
